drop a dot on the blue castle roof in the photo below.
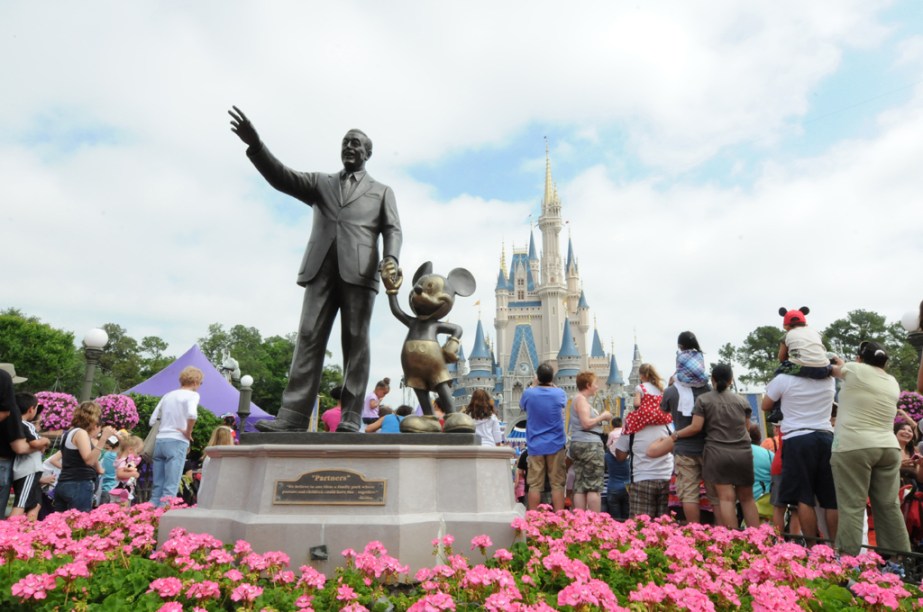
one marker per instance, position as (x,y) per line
(501,282)
(570,256)
(480,350)
(614,377)
(582,303)
(522,336)
(532,254)
(568,353)
(568,346)
(520,259)
(597,350)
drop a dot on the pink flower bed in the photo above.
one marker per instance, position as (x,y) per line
(570,561)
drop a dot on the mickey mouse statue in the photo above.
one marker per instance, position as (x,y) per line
(423,360)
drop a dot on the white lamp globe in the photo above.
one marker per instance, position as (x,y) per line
(95,339)
(246,380)
(911,321)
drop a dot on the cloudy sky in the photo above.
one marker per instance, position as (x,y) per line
(716,160)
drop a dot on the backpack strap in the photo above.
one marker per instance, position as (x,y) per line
(631,459)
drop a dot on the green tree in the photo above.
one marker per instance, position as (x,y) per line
(843,336)
(277,352)
(121,362)
(727,354)
(266,360)
(215,344)
(153,359)
(45,355)
(759,354)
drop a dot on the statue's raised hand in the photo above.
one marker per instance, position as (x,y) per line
(241,126)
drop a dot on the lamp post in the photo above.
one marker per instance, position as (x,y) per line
(243,406)
(912,323)
(93,343)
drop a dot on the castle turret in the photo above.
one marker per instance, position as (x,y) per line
(462,364)
(552,291)
(568,361)
(572,279)
(583,313)
(502,292)
(634,378)
(614,382)
(615,388)
(480,361)
(534,263)
(480,373)
(596,360)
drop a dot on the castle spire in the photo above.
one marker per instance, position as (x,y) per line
(480,350)
(597,350)
(549,184)
(615,377)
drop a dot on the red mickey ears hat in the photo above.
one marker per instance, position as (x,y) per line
(790,317)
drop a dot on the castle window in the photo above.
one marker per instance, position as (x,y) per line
(522,295)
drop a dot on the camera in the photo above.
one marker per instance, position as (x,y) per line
(112,441)
(775,416)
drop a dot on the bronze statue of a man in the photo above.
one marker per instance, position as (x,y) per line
(339,271)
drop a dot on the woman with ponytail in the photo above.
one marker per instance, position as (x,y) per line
(865,456)
(727,458)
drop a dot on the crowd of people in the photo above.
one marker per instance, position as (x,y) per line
(838,453)
(379,418)
(92,463)
(838,456)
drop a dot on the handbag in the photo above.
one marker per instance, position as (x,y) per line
(147,451)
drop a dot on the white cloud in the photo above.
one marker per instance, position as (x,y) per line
(164,227)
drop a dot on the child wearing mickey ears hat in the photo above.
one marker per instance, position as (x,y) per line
(801,352)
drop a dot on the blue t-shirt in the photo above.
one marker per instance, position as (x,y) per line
(544,408)
(391,424)
(619,474)
(107,461)
(762,464)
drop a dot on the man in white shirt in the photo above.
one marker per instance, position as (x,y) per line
(649,476)
(807,437)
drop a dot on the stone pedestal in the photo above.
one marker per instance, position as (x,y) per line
(313,501)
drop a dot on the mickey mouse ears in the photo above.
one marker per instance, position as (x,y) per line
(791,317)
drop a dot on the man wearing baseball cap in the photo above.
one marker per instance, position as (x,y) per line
(12,437)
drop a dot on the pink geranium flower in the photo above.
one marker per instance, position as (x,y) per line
(246,592)
(166,587)
(346,593)
(207,589)
(34,586)
(433,602)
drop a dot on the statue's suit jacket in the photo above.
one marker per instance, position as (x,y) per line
(352,226)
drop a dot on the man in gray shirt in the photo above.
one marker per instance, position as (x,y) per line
(687,454)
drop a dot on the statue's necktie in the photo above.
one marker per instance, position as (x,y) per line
(349,185)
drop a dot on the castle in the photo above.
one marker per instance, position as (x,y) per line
(542,314)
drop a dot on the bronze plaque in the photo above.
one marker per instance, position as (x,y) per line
(331,487)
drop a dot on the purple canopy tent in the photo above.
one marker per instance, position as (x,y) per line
(216,394)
